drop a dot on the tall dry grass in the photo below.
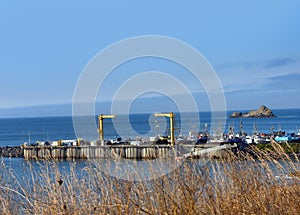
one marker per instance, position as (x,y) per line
(238,184)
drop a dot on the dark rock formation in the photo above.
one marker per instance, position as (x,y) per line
(262,112)
(11,151)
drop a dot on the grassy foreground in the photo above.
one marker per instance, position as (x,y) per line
(235,185)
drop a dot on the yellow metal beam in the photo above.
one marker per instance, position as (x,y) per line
(171,115)
(163,114)
(100,124)
(107,116)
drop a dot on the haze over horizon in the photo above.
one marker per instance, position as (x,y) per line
(254,48)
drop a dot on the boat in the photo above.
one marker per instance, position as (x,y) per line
(289,137)
(249,140)
(202,139)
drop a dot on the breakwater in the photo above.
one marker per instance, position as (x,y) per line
(118,151)
(105,152)
(101,152)
(11,151)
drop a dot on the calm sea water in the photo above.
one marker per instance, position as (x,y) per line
(16,131)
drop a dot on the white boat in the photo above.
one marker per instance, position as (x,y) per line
(249,140)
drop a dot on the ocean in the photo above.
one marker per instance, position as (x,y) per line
(15,131)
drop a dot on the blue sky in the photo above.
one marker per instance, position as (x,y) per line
(254,46)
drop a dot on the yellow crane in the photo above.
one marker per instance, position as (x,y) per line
(100,124)
(171,115)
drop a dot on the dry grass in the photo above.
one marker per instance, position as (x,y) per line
(235,185)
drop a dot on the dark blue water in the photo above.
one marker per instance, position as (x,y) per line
(16,131)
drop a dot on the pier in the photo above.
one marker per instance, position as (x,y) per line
(137,152)
(98,152)
(124,151)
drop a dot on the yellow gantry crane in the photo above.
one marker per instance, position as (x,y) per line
(100,123)
(171,115)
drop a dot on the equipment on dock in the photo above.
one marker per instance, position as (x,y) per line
(171,115)
(100,124)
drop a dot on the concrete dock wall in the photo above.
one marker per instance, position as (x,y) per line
(126,151)
(103,152)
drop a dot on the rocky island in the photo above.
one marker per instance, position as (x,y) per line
(262,112)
